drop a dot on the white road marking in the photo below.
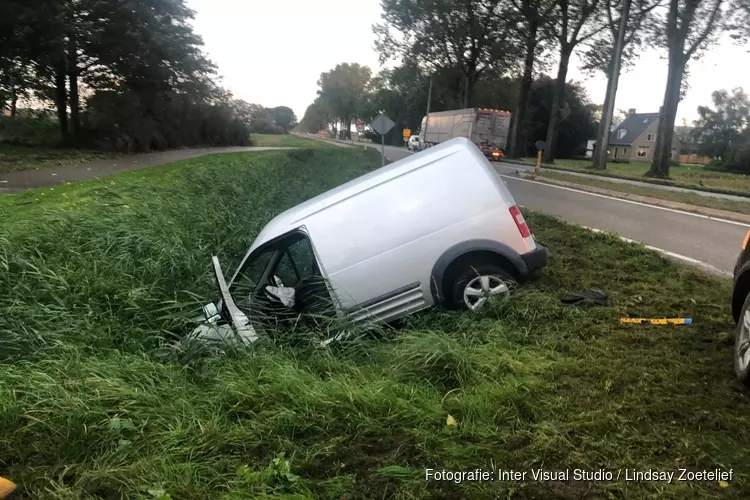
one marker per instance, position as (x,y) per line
(667,253)
(628,201)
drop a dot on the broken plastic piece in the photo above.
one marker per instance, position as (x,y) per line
(589,297)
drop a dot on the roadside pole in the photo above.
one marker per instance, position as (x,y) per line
(382,150)
(602,137)
(423,133)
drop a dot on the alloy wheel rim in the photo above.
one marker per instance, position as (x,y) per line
(478,291)
(743,346)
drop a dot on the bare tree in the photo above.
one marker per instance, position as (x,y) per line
(688,27)
(576,22)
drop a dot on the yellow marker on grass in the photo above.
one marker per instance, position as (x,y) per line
(6,487)
(657,321)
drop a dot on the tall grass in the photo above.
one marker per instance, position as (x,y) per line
(95,276)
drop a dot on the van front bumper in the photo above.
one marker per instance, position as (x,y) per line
(536,259)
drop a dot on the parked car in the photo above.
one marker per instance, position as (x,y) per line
(413,143)
(741,313)
(437,227)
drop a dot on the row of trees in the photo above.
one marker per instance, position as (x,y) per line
(123,74)
(348,91)
(466,44)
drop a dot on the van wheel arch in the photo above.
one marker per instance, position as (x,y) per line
(472,253)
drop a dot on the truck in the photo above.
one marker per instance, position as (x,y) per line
(487,128)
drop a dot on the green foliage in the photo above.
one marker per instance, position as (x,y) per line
(578,124)
(718,131)
(472,36)
(121,121)
(343,91)
(29,128)
(284,118)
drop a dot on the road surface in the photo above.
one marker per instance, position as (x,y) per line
(713,242)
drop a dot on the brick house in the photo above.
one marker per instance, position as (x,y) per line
(635,138)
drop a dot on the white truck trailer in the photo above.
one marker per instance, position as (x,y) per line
(487,128)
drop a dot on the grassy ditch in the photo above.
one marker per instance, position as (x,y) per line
(94,275)
(13,158)
(689,176)
(742,207)
(285,140)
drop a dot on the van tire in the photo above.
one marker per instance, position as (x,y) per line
(471,276)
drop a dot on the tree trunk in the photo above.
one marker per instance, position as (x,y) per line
(516,135)
(558,101)
(75,117)
(13,99)
(602,135)
(667,115)
(61,102)
(469,80)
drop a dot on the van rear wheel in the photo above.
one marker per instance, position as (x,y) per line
(475,285)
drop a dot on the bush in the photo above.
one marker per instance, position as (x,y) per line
(127,122)
(30,127)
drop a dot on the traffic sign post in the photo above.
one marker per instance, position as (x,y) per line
(540,147)
(382,125)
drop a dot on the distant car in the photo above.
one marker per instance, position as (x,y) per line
(413,143)
(741,313)
(384,246)
(492,152)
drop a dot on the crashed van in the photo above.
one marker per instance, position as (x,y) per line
(437,227)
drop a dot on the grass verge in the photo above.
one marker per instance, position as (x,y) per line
(94,275)
(742,207)
(13,158)
(689,176)
(285,140)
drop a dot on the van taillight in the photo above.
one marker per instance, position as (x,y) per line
(515,212)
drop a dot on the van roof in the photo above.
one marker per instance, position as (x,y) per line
(295,216)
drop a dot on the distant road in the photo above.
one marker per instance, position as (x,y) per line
(713,242)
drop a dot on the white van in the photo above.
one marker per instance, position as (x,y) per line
(437,227)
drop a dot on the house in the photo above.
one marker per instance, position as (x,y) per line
(635,138)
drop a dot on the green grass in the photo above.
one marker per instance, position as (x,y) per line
(742,207)
(286,140)
(13,158)
(686,175)
(94,276)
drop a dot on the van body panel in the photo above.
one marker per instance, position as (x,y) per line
(384,239)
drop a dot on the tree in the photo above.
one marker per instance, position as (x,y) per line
(689,27)
(343,89)
(609,52)
(575,23)
(284,118)
(717,132)
(532,17)
(316,117)
(472,36)
(580,117)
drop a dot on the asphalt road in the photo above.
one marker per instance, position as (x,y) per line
(713,242)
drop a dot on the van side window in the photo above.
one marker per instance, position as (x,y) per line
(296,264)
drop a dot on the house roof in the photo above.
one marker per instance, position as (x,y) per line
(634,125)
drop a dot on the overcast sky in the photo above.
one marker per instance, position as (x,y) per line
(272,53)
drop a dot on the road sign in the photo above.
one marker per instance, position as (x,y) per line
(539,145)
(382,124)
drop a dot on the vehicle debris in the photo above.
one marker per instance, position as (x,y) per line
(593,297)
(657,321)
